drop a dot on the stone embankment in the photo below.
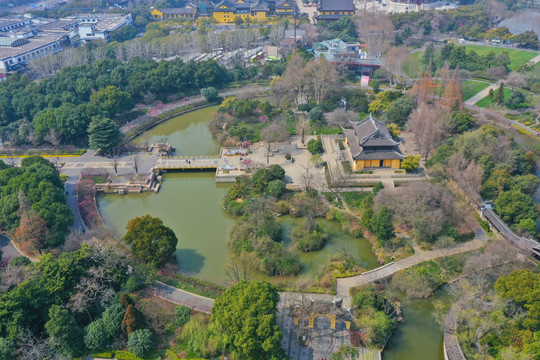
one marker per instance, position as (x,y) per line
(452,350)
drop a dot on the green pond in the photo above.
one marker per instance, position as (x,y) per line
(190,203)
(420,336)
(188,133)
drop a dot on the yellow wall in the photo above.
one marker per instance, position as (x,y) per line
(358,164)
(224,16)
(337,12)
(158,15)
(362,164)
(259,15)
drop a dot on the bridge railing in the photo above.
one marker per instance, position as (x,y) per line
(185,157)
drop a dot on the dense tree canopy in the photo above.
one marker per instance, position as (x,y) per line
(103,134)
(150,240)
(35,189)
(66,102)
(246,314)
(514,206)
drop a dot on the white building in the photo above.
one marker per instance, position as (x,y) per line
(15,52)
(11,23)
(99,26)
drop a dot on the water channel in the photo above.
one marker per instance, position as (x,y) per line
(190,203)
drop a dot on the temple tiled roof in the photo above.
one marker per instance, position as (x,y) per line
(369,139)
(336,5)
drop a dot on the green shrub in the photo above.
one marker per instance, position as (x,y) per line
(276,188)
(125,355)
(309,241)
(133,283)
(105,353)
(315,146)
(140,341)
(316,114)
(182,315)
(347,168)
(18,261)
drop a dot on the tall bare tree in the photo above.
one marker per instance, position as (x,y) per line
(376,30)
(393,61)
(426,125)
(273,133)
(53,137)
(302,128)
(320,78)
(136,162)
(292,82)
(115,158)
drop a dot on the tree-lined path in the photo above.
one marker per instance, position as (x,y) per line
(345,284)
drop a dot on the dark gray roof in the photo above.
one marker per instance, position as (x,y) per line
(177,11)
(370,140)
(330,17)
(259,6)
(336,5)
(281,4)
(372,132)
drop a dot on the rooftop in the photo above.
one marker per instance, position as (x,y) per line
(336,50)
(33,43)
(369,139)
(57,25)
(336,5)
(177,11)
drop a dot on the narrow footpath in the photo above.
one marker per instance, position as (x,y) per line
(482,94)
(345,284)
(181,297)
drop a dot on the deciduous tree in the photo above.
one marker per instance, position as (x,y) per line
(133,320)
(426,125)
(273,133)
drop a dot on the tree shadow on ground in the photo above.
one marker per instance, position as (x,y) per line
(190,261)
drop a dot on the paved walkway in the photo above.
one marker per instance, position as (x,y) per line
(72,200)
(482,94)
(181,297)
(452,349)
(345,284)
(8,249)
(534,60)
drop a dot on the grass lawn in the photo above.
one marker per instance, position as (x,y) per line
(535,71)
(517,57)
(485,102)
(413,63)
(471,88)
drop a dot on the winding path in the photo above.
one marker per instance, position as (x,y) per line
(345,284)
(8,248)
(182,297)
